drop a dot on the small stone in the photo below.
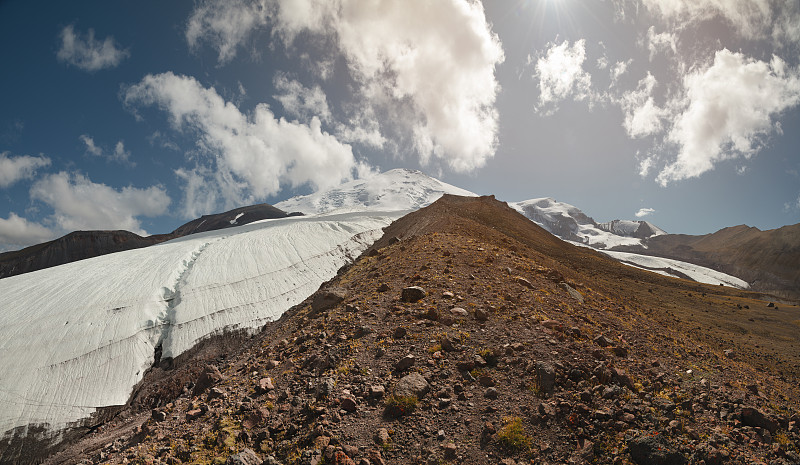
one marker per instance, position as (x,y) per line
(348,403)
(448,295)
(327,299)
(399,333)
(381,436)
(572,292)
(377,391)
(620,351)
(481,314)
(450,451)
(265,385)
(158,415)
(383,287)
(193,414)
(602,341)
(653,448)
(245,457)
(523,282)
(413,384)
(491,393)
(555,325)
(215,393)
(209,377)
(486,380)
(458,312)
(545,377)
(405,363)
(412,294)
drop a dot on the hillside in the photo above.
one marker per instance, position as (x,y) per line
(768,260)
(522,348)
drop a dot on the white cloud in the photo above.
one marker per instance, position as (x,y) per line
(225,24)
(644,212)
(642,116)
(91,147)
(300,101)
(727,111)
(13,169)
(119,154)
(657,43)
(16,232)
(561,75)
(427,68)
(79,203)
(619,69)
(255,155)
(89,54)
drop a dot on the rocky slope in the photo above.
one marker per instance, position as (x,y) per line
(80,245)
(467,334)
(768,260)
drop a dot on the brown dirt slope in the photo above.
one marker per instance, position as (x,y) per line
(522,349)
(768,260)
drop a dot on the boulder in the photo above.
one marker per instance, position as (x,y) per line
(412,294)
(410,385)
(327,299)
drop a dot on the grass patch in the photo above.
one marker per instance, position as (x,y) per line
(398,406)
(512,435)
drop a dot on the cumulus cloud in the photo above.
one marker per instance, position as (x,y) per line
(300,101)
(13,169)
(88,53)
(659,42)
(750,17)
(81,204)
(619,70)
(561,75)
(17,232)
(642,116)
(427,68)
(225,24)
(255,154)
(644,212)
(119,154)
(727,111)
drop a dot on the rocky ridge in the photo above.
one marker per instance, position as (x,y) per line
(469,335)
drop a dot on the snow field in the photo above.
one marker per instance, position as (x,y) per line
(79,336)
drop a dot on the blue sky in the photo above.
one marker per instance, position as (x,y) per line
(141,116)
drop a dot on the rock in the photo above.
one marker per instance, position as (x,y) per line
(448,345)
(383,287)
(158,415)
(620,351)
(447,320)
(348,403)
(209,377)
(602,341)
(653,449)
(412,385)
(757,418)
(327,299)
(265,385)
(405,363)
(555,325)
(730,353)
(311,457)
(381,436)
(412,294)
(377,391)
(271,460)
(399,333)
(193,414)
(325,388)
(215,393)
(523,282)
(448,295)
(572,292)
(481,314)
(245,457)
(545,377)
(450,451)
(491,393)
(486,380)
(458,312)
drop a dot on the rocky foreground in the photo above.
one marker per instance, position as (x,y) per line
(470,335)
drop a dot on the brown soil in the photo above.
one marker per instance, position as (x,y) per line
(658,375)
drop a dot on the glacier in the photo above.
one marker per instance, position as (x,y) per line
(80,336)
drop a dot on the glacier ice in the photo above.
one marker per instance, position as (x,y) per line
(79,336)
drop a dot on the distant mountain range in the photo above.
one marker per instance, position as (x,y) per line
(765,261)
(80,245)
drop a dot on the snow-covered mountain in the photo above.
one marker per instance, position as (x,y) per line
(398,189)
(570,223)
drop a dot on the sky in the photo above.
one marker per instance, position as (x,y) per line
(144,115)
